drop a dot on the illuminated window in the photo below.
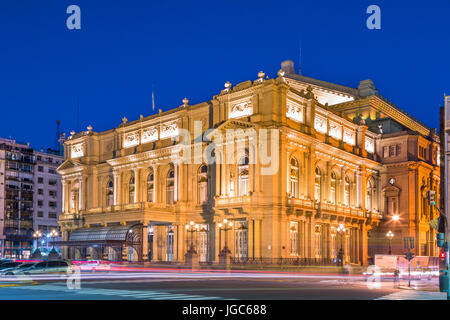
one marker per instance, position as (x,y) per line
(243,172)
(317,185)
(202,180)
(333,188)
(294,176)
(370,194)
(170,183)
(150,185)
(131,190)
(109,193)
(347,191)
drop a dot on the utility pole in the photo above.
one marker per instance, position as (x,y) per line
(443,236)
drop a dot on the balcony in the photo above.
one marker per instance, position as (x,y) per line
(338,209)
(226,201)
(14,223)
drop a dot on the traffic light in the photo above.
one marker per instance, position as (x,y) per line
(440,239)
(431,197)
(442,254)
(442,224)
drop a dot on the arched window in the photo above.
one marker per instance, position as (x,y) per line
(317,185)
(347,191)
(109,193)
(202,180)
(333,188)
(131,190)
(243,170)
(170,184)
(150,186)
(369,195)
(294,176)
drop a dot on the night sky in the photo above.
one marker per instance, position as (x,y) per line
(191,48)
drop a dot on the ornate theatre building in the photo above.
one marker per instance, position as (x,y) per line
(349,167)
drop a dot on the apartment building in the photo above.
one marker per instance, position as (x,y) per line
(20,196)
(47,200)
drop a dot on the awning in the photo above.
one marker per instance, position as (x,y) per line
(97,235)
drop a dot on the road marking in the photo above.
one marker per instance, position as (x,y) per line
(18,284)
(153,295)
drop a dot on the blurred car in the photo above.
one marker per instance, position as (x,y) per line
(95,265)
(7,265)
(46,267)
(14,270)
(5,260)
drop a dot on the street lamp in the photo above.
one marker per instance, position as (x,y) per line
(37,235)
(341,230)
(191,228)
(53,234)
(227,225)
(389,235)
(395,217)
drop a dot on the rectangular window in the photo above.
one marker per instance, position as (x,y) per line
(293,238)
(40,214)
(40,180)
(391,151)
(52,215)
(52,204)
(40,168)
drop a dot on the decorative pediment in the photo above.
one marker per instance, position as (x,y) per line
(391,191)
(235,124)
(69,164)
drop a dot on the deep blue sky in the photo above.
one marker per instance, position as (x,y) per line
(191,48)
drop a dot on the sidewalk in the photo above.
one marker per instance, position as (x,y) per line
(415,295)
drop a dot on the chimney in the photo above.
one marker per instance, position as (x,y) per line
(288,66)
(367,88)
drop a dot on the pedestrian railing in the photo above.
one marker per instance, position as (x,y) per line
(283,261)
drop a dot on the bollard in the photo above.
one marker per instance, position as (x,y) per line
(443,281)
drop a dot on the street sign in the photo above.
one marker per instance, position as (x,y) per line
(409,256)
(408,242)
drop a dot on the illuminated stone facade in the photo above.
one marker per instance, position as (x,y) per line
(332,171)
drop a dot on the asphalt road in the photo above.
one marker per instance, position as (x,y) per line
(182,285)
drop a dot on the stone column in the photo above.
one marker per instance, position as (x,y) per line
(64,249)
(156,186)
(145,241)
(363,244)
(116,187)
(155,243)
(80,194)
(175,187)
(137,187)
(63,206)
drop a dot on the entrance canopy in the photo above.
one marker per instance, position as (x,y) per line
(113,235)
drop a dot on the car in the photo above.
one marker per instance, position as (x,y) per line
(14,270)
(7,265)
(47,267)
(5,260)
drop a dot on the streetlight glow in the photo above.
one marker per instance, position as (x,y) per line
(395,217)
